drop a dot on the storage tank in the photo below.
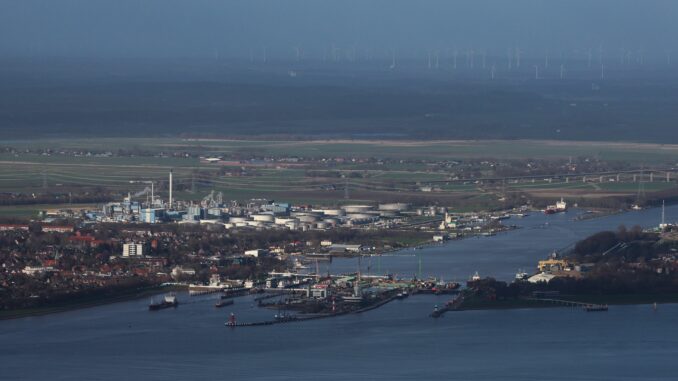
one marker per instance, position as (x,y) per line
(309,219)
(356,208)
(361,217)
(388,213)
(330,212)
(263,217)
(396,207)
(283,221)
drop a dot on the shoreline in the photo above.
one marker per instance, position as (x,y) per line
(612,300)
(83,304)
(46,310)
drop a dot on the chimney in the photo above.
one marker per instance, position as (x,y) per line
(170,189)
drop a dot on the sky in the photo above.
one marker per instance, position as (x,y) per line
(246,28)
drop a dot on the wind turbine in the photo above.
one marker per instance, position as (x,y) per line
(562,71)
(393,60)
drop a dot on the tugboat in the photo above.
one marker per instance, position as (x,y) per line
(167,302)
(223,303)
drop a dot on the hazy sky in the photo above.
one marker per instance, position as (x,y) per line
(183,28)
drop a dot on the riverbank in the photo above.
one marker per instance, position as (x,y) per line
(87,302)
(471,303)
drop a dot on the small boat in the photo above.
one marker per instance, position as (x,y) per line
(167,302)
(223,303)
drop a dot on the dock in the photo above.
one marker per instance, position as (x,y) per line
(233,323)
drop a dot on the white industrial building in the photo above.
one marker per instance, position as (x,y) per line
(132,250)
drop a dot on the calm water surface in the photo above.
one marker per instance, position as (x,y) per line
(124,341)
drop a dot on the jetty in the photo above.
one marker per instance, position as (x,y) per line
(589,307)
(452,305)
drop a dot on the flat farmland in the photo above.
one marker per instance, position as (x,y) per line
(372,170)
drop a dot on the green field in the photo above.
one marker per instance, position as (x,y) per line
(498,149)
(401,177)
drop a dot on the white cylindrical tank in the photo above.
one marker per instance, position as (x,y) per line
(330,212)
(263,217)
(357,208)
(283,221)
(397,206)
(307,218)
(360,217)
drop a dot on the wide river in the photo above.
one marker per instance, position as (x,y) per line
(124,341)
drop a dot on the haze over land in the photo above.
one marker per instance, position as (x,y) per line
(575,70)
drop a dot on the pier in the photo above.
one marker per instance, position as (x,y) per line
(569,303)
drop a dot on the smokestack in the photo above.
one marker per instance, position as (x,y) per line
(170,189)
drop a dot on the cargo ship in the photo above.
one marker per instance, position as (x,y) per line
(167,302)
(559,207)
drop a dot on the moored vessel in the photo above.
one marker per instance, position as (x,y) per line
(168,301)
